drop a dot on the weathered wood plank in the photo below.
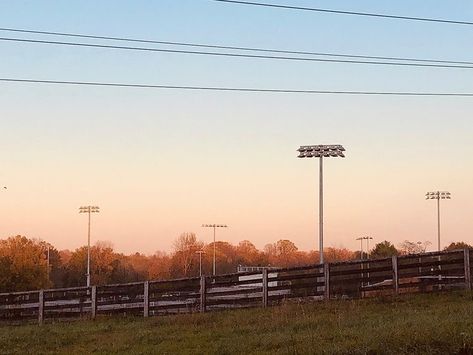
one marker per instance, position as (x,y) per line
(265,288)
(395,275)
(327,281)
(467,267)
(146,299)
(203,294)
(41,307)
(93,298)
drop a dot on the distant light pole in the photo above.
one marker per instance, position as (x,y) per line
(361,247)
(368,246)
(200,252)
(48,255)
(438,195)
(214,226)
(89,210)
(321,151)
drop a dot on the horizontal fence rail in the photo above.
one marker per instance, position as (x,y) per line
(260,287)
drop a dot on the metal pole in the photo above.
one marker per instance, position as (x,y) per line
(88,253)
(438,220)
(321,211)
(214,263)
(200,264)
(48,264)
(367,247)
(438,235)
(361,248)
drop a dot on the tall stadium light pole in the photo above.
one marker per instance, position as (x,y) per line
(438,195)
(321,151)
(200,252)
(214,226)
(89,210)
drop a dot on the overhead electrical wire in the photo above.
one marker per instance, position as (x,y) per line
(238,55)
(233,89)
(354,13)
(237,48)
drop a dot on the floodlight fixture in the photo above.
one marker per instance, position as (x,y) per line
(438,195)
(321,151)
(89,210)
(214,226)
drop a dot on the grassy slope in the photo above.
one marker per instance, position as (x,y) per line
(433,324)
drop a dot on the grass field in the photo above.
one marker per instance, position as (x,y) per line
(423,324)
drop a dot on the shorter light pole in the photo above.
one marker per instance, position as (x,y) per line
(361,247)
(200,252)
(89,210)
(368,246)
(48,262)
(214,226)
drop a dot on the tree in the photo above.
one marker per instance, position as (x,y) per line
(23,265)
(225,256)
(338,254)
(249,255)
(184,255)
(286,252)
(159,266)
(383,250)
(103,265)
(458,245)
(408,247)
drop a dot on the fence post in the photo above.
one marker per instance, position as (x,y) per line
(327,281)
(146,299)
(203,289)
(466,255)
(395,275)
(93,301)
(40,307)
(265,287)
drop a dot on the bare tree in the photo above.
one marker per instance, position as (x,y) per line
(185,247)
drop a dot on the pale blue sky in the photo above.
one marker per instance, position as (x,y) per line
(162,162)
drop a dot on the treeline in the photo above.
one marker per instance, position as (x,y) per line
(29,264)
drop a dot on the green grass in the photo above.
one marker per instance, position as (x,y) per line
(421,324)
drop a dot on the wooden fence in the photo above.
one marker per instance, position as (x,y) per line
(352,279)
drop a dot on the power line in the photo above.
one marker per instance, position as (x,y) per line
(239,48)
(355,13)
(235,89)
(237,55)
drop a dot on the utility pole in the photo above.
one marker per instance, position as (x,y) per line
(89,210)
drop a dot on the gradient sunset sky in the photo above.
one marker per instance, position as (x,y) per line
(159,163)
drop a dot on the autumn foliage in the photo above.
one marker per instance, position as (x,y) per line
(24,264)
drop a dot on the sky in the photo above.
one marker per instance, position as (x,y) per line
(163,162)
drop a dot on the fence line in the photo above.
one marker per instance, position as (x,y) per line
(260,288)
